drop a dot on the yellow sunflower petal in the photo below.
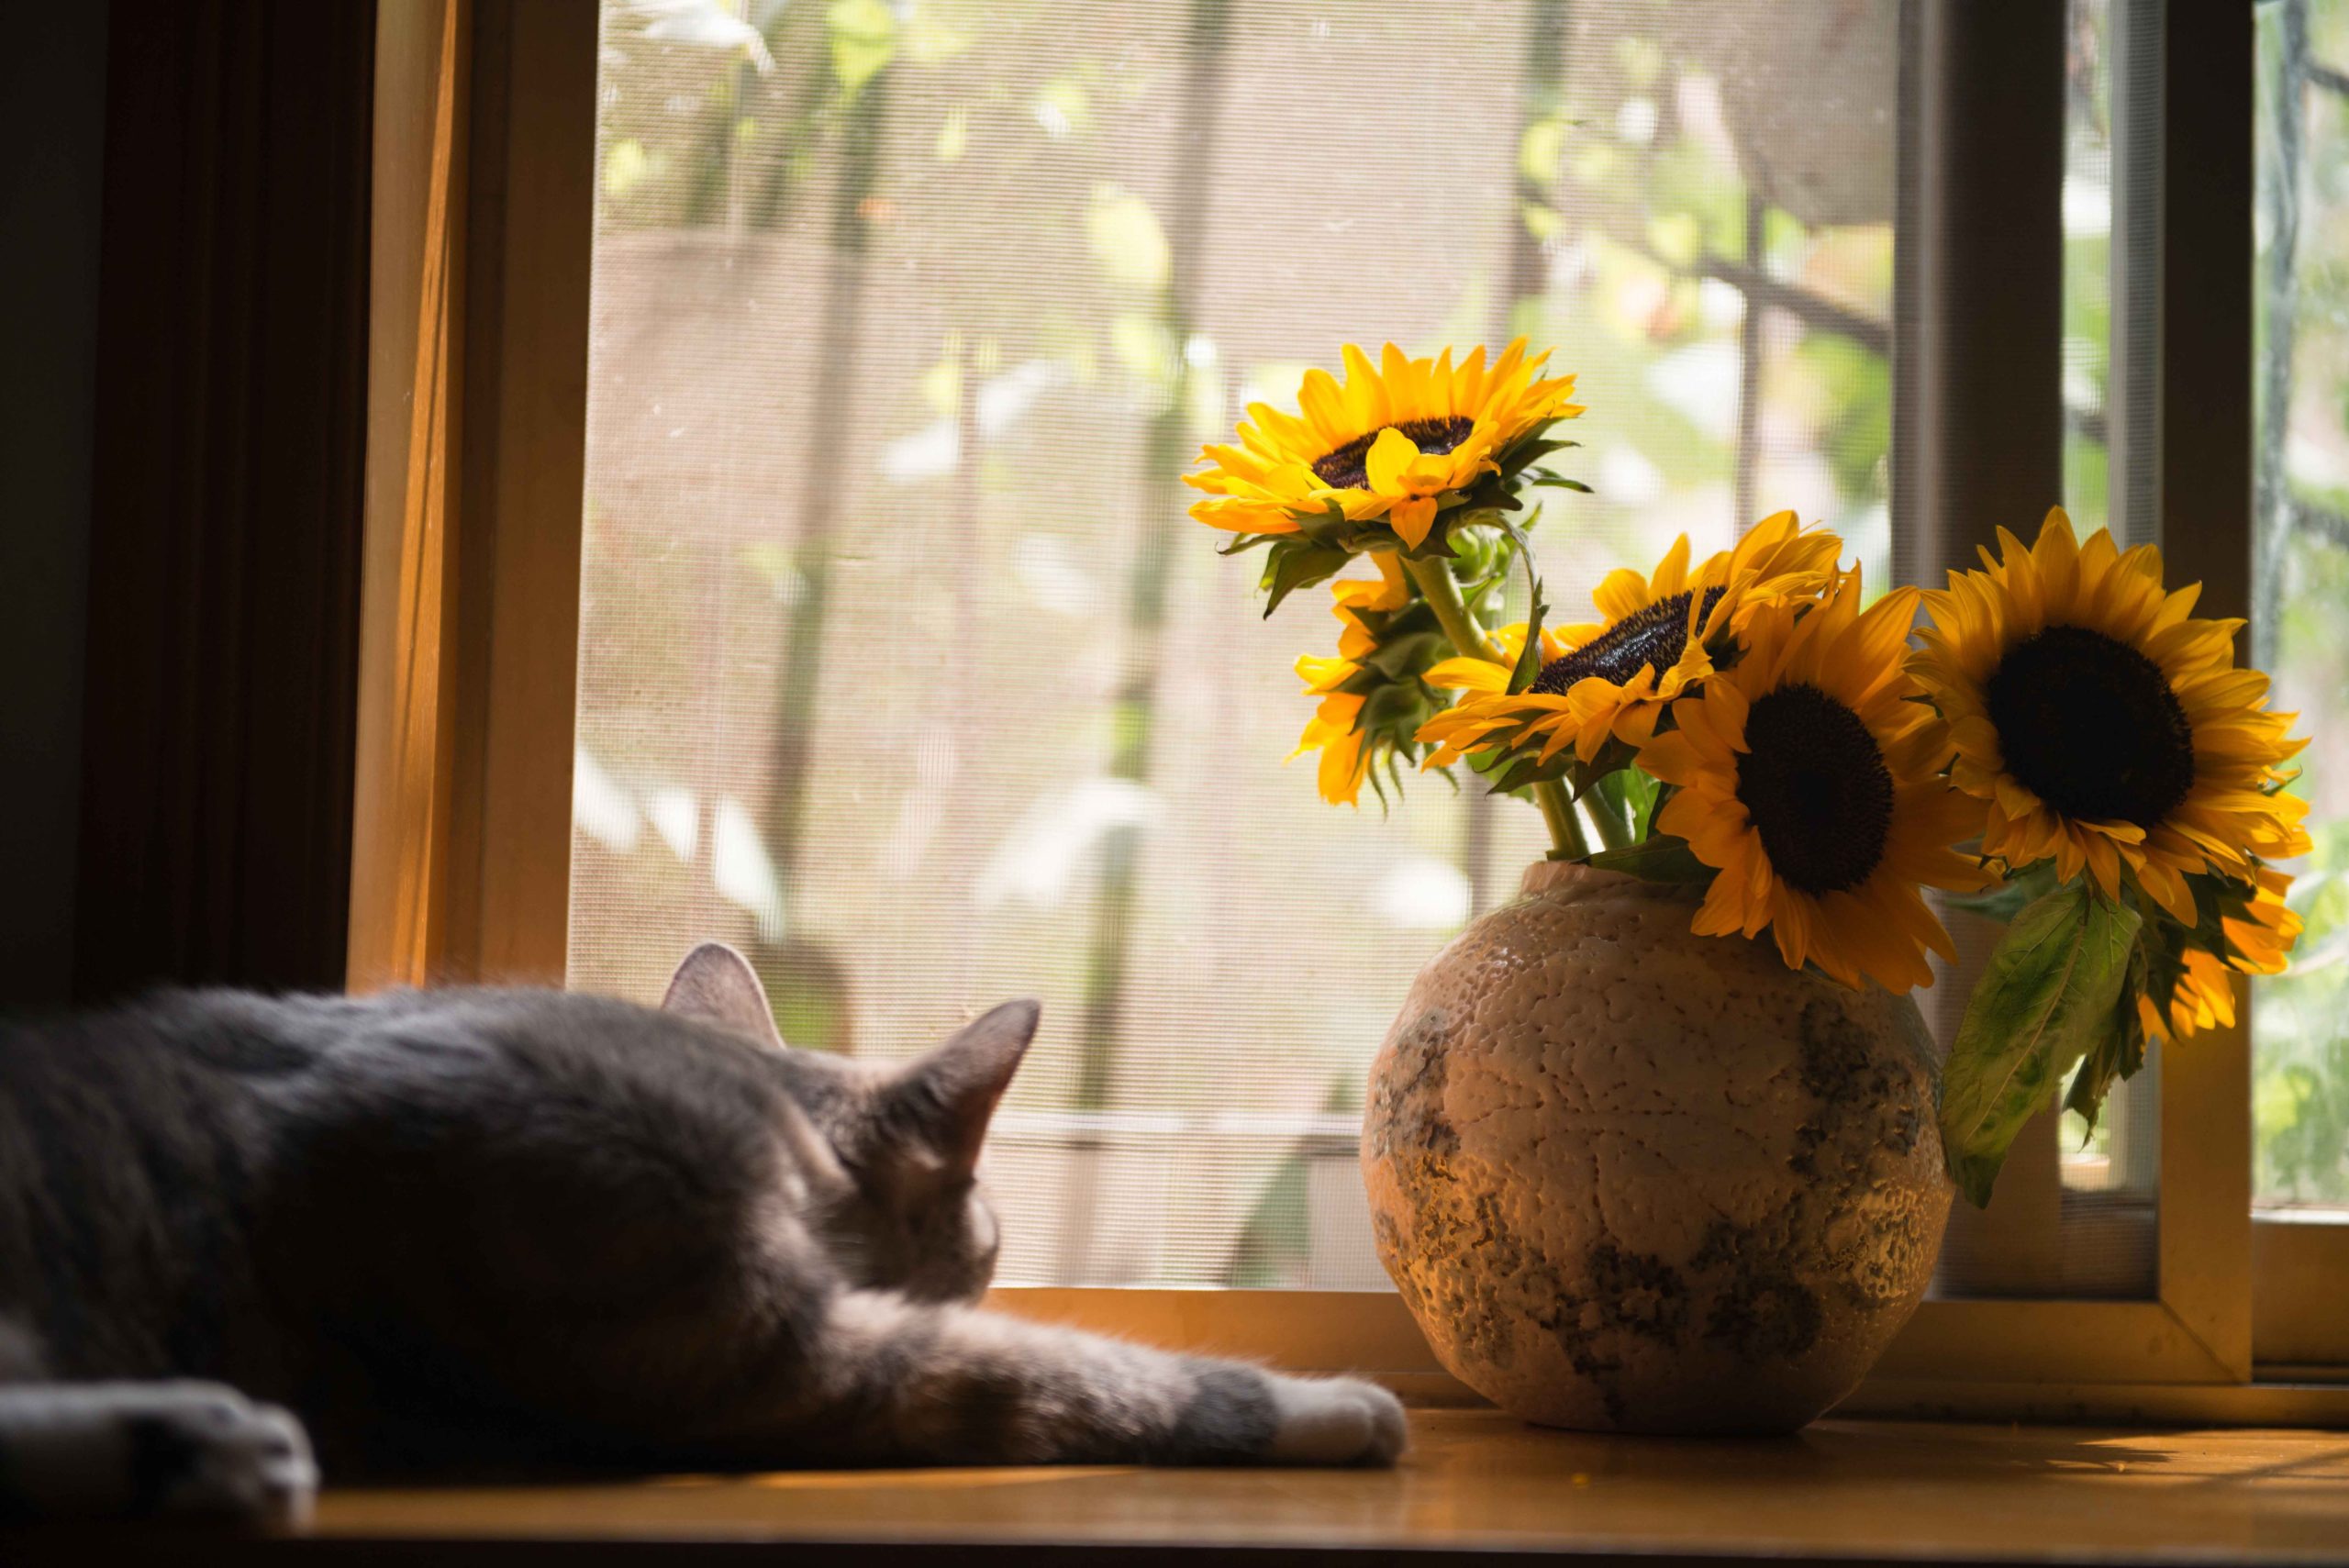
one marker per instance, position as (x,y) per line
(1469,674)
(1412,519)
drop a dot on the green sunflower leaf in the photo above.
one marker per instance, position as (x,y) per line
(1661,858)
(2005,901)
(1297,563)
(1334,529)
(1485,763)
(1527,668)
(1392,706)
(1613,754)
(1522,456)
(2162,945)
(1402,656)
(1527,770)
(2047,995)
(1528,657)
(2120,1048)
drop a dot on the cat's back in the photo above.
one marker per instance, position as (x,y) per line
(177,1174)
(186,1075)
(131,1144)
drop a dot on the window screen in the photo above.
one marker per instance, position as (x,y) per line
(902,667)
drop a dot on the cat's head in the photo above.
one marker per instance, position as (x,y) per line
(891,1150)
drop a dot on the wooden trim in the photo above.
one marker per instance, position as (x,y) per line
(399,811)
(1947,1344)
(2206,305)
(2205,1236)
(2298,1267)
(1984,244)
(2205,505)
(476,442)
(2051,1341)
(2282,1402)
(2044,1360)
(1365,1331)
(1979,427)
(532,213)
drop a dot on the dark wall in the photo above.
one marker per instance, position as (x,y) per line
(52,125)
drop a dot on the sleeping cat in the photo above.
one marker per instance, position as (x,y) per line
(503,1231)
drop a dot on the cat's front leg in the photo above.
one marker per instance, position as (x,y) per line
(890,1381)
(123,1450)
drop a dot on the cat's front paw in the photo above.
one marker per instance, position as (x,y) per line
(1335,1420)
(121,1450)
(227,1455)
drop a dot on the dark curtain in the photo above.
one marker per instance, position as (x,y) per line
(231,441)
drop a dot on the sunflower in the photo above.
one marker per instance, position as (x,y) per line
(1345,750)
(1810,780)
(2100,724)
(1390,442)
(2203,994)
(1614,677)
(1389,592)
(1336,728)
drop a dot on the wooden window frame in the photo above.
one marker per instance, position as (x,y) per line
(477,399)
(483,200)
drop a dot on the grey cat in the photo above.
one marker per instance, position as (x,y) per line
(496,1230)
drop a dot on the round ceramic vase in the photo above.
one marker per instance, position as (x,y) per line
(1628,1178)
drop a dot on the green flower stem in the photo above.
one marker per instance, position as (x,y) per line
(1613,831)
(1435,580)
(1566,830)
(1452,612)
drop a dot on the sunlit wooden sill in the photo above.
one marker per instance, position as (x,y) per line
(1477,1487)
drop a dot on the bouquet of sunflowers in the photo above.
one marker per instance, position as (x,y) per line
(2061,743)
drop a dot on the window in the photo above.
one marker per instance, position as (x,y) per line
(848,495)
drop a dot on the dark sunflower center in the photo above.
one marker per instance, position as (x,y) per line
(1657,637)
(2091,725)
(1815,784)
(1348,468)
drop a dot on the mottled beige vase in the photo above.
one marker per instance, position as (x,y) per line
(1632,1179)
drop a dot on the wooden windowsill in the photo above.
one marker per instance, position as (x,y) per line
(1478,1487)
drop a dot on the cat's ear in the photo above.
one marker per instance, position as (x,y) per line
(716,986)
(951,1092)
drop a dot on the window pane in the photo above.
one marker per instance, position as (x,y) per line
(2300,1083)
(902,667)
